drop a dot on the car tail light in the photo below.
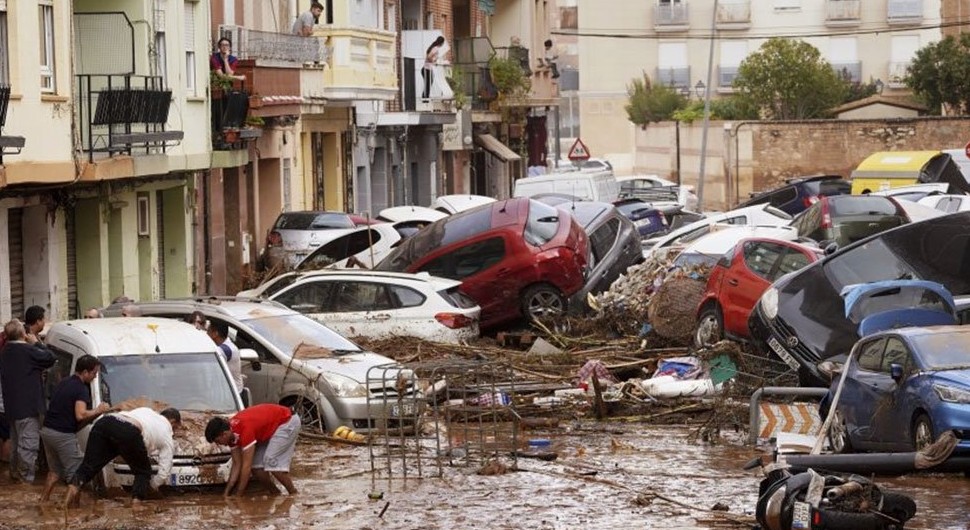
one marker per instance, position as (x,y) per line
(274,239)
(454,320)
(810,200)
(826,218)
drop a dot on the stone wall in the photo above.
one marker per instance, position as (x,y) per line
(744,157)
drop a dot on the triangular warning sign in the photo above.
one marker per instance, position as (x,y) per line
(578,151)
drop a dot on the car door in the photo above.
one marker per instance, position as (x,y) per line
(857,400)
(487,276)
(264,379)
(745,281)
(893,410)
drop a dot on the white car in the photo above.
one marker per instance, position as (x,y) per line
(759,214)
(452,204)
(378,305)
(296,234)
(914,192)
(364,246)
(396,214)
(711,246)
(657,191)
(947,203)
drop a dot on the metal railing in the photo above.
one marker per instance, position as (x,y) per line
(123,114)
(849,71)
(733,13)
(675,77)
(904,11)
(670,14)
(270,46)
(843,10)
(726,76)
(471,66)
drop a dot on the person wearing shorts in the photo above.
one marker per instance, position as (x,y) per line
(262,440)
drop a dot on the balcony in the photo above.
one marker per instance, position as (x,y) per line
(897,74)
(123,114)
(361,66)
(439,98)
(904,12)
(734,15)
(670,16)
(851,71)
(231,116)
(842,13)
(9,145)
(471,57)
(678,77)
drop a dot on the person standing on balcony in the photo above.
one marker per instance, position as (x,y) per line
(223,61)
(305,22)
(431,57)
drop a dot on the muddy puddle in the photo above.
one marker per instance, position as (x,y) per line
(633,476)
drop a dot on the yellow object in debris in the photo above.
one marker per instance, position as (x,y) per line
(341,432)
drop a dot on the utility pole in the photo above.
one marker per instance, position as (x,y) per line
(707,112)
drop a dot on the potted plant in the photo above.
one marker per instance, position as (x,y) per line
(255,122)
(230,135)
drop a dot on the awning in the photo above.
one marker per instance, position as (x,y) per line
(497,148)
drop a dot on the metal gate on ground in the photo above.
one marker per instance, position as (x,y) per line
(444,413)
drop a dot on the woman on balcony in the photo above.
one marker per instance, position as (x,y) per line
(223,61)
(430,60)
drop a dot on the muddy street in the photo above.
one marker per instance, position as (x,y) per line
(608,475)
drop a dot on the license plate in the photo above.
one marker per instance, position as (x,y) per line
(188,480)
(801,516)
(781,352)
(403,409)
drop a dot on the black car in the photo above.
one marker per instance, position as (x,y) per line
(799,193)
(801,317)
(650,221)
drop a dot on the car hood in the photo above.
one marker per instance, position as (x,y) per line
(867,299)
(355,365)
(958,377)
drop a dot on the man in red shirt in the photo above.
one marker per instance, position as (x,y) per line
(262,439)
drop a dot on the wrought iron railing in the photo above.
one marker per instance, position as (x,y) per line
(270,46)
(471,66)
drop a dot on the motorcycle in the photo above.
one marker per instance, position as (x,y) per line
(809,500)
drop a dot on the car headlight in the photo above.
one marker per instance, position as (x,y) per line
(769,303)
(952,394)
(344,386)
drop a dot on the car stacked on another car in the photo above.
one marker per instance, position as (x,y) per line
(798,194)
(380,305)
(301,363)
(515,257)
(296,234)
(759,214)
(650,221)
(845,219)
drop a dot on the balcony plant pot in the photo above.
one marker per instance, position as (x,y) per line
(230,136)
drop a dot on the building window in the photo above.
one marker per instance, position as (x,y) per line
(733,53)
(844,58)
(47,46)
(190,82)
(672,65)
(287,178)
(902,49)
(161,60)
(144,215)
(788,5)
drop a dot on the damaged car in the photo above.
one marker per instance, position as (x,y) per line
(801,317)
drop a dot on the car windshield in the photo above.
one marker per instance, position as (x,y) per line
(279,284)
(438,234)
(542,225)
(849,205)
(186,381)
(313,221)
(937,352)
(288,332)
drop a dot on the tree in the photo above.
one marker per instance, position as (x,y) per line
(938,74)
(648,104)
(789,80)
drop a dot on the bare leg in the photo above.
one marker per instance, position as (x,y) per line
(265,479)
(49,486)
(286,481)
(73,497)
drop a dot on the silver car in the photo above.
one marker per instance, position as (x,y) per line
(296,234)
(303,364)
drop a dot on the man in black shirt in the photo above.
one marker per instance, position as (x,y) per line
(22,363)
(68,411)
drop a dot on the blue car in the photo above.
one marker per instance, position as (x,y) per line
(904,386)
(650,221)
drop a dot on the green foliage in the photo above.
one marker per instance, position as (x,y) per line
(938,74)
(218,81)
(734,107)
(456,80)
(788,80)
(255,121)
(692,112)
(648,104)
(857,91)
(509,78)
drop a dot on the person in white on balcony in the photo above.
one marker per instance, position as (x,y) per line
(431,57)
(303,25)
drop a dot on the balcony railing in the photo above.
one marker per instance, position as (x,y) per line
(849,71)
(733,14)
(904,11)
(471,57)
(123,114)
(362,65)
(841,12)
(9,145)
(670,16)
(416,97)
(270,47)
(674,77)
(897,74)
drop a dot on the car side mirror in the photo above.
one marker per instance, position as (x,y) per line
(246,398)
(896,371)
(248,355)
(829,247)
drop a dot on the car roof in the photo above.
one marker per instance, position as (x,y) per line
(916,331)
(437,282)
(813,178)
(132,335)
(230,306)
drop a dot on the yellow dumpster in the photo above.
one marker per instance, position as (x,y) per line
(889,169)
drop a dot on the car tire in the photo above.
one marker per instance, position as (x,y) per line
(308,412)
(541,302)
(922,432)
(839,435)
(710,327)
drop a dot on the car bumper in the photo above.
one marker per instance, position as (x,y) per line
(363,415)
(954,417)
(774,339)
(186,472)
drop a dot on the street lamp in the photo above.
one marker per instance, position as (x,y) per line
(879,86)
(700,89)
(685,91)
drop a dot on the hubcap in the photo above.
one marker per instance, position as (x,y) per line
(923,435)
(708,331)
(837,434)
(545,304)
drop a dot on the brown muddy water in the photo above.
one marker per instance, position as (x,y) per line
(633,476)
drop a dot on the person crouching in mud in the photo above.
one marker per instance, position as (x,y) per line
(134,435)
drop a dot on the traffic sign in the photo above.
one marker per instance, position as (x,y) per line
(578,151)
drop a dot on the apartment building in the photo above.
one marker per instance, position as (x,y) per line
(110,135)
(669,41)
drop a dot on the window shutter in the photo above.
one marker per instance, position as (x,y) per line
(189,25)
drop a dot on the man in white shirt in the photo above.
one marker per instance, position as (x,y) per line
(219,333)
(134,435)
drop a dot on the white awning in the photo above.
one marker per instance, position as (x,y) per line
(497,148)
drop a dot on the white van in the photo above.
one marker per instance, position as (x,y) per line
(161,361)
(587,185)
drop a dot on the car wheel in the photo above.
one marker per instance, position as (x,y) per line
(922,432)
(310,417)
(541,302)
(710,327)
(839,435)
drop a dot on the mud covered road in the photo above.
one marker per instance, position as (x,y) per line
(631,476)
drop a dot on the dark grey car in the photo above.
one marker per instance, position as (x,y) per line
(614,245)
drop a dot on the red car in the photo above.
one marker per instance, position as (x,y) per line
(737,282)
(516,258)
